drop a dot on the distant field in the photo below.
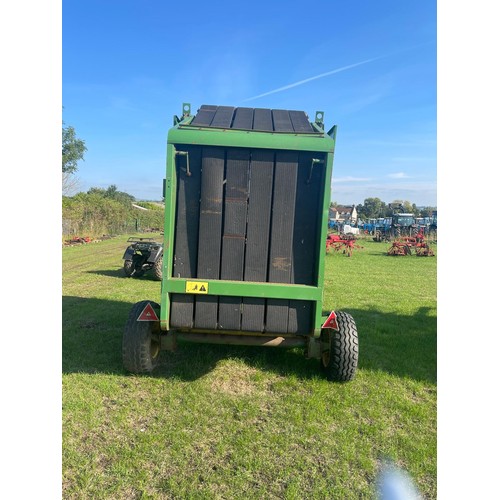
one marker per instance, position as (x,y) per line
(228,422)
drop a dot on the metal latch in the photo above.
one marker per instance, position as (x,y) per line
(314,161)
(186,154)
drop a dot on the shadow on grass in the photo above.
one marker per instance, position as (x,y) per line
(92,330)
(115,273)
(118,273)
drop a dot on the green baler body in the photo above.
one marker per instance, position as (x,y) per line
(247,195)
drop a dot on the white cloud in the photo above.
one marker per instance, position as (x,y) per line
(398,175)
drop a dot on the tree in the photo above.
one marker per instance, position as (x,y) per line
(372,208)
(408,207)
(403,206)
(70,184)
(73,150)
(113,193)
(427,211)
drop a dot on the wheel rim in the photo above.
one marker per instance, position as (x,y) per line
(155,343)
(325,347)
(325,358)
(154,348)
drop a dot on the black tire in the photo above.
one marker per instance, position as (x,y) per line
(128,268)
(339,357)
(141,340)
(158,268)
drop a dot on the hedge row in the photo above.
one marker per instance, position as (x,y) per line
(95,215)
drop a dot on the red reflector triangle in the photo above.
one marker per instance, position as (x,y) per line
(331,322)
(148,314)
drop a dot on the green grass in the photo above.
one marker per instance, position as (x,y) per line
(240,422)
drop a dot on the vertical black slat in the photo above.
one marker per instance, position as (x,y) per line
(209,242)
(280,245)
(186,233)
(308,212)
(223,117)
(281,120)
(257,247)
(233,240)
(300,122)
(204,116)
(243,119)
(262,120)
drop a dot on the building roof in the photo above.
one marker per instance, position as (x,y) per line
(342,209)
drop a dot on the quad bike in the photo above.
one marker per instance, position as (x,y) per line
(143,254)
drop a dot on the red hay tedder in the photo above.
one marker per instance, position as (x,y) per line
(403,246)
(346,243)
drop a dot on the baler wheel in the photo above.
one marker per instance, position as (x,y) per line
(141,340)
(339,356)
(158,269)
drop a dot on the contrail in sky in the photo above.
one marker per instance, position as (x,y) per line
(296,84)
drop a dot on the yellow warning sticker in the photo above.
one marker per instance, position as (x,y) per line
(196,287)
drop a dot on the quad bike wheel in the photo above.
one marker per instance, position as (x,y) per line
(141,340)
(339,351)
(128,268)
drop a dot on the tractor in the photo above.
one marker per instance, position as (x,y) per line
(397,225)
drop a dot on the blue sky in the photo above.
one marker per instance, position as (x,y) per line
(127,67)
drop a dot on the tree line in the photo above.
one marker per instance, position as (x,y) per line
(374,208)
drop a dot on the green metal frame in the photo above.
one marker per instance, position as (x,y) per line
(183,134)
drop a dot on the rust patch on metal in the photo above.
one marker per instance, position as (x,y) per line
(281,263)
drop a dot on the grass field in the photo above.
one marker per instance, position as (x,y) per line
(229,422)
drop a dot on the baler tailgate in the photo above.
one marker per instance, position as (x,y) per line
(246,215)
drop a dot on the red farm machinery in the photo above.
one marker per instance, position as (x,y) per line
(345,243)
(404,246)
